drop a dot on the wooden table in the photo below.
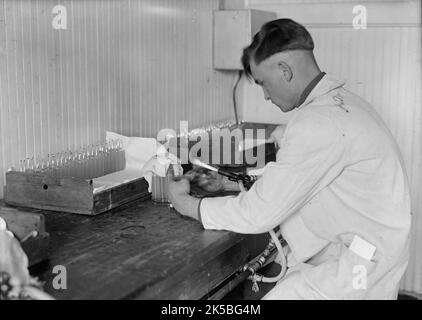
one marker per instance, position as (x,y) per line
(141,250)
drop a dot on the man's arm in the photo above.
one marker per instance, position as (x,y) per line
(311,158)
(184,203)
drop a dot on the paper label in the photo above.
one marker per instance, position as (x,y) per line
(362,248)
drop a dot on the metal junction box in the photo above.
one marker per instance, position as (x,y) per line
(233,31)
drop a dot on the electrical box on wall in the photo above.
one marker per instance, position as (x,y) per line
(233,31)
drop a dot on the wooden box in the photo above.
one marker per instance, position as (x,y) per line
(22,223)
(68,194)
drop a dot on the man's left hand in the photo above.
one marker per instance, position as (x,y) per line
(182,201)
(178,187)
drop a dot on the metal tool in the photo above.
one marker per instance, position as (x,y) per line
(247,180)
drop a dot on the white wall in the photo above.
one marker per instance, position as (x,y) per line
(130,66)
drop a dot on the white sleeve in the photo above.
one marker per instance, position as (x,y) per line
(309,160)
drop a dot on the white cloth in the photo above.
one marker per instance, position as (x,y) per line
(138,150)
(144,157)
(338,174)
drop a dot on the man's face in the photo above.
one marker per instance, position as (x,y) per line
(274,83)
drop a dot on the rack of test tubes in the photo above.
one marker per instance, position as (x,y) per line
(66,181)
(87,162)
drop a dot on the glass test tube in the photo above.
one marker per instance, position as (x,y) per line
(159,189)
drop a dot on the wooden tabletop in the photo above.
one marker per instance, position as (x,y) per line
(143,250)
(140,250)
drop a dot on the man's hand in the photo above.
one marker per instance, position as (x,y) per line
(178,193)
(205,179)
(178,186)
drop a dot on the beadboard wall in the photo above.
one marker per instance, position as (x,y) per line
(128,66)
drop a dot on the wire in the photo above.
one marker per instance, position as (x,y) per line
(234,95)
(283,261)
(262,260)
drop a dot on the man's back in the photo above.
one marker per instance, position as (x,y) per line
(366,193)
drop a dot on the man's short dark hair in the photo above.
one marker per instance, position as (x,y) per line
(276,36)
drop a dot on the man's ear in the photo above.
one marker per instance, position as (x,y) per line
(286,70)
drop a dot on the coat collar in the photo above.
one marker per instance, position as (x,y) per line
(310,87)
(325,85)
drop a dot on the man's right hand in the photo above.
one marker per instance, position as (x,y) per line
(207,180)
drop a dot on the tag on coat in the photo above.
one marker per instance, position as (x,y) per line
(362,248)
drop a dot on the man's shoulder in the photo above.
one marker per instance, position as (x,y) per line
(313,123)
(341,109)
(314,115)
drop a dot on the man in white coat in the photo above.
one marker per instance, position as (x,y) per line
(338,188)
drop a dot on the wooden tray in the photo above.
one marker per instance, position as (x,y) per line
(67,194)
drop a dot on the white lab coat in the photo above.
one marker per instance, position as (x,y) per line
(338,174)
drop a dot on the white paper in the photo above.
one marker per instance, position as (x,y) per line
(138,150)
(362,248)
(115,178)
(144,157)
